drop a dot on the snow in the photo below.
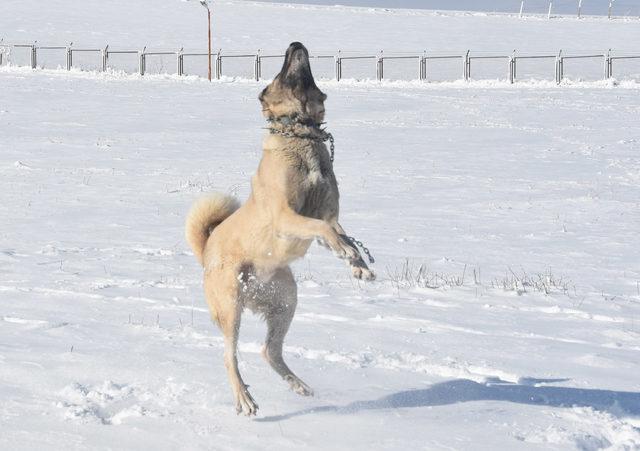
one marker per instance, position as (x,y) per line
(521,203)
(246,25)
(567,7)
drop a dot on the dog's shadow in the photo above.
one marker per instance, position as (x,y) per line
(526,391)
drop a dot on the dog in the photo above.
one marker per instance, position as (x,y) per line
(246,250)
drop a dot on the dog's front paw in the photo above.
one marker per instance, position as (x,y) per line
(362,273)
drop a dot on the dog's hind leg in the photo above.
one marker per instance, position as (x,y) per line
(222,295)
(278,315)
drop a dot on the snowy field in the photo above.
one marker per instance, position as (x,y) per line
(520,203)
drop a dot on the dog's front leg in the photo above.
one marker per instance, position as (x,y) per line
(292,224)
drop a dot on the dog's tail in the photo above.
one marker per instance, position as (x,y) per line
(205,215)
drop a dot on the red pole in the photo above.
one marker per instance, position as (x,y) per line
(209,21)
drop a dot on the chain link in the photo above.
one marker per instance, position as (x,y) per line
(354,242)
(332,146)
(326,136)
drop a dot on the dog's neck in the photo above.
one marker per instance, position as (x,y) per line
(293,127)
(296,127)
(293,120)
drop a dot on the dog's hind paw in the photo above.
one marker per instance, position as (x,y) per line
(298,386)
(245,403)
(362,273)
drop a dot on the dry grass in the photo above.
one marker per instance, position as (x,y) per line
(411,275)
(522,283)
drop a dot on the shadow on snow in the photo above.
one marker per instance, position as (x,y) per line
(526,391)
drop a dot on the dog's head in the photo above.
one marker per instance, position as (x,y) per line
(293,92)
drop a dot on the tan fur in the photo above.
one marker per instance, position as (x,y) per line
(294,200)
(205,214)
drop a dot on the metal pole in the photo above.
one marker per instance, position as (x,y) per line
(105,58)
(142,61)
(512,67)
(467,67)
(610,7)
(209,36)
(521,8)
(180,62)
(380,67)
(550,7)
(256,63)
(579,9)
(34,56)
(219,64)
(69,56)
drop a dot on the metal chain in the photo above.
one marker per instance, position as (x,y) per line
(326,136)
(332,146)
(359,244)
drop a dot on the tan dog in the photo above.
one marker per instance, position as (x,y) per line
(246,251)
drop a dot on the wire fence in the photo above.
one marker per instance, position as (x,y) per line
(425,65)
(579,8)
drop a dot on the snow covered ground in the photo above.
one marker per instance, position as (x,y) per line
(246,25)
(567,7)
(520,332)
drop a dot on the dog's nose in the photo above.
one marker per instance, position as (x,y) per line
(297,52)
(296,46)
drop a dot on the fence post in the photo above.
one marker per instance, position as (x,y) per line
(180,62)
(512,67)
(142,61)
(105,58)
(579,9)
(219,64)
(559,67)
(338,62)
(69,56)
(467,67)
(610,7)
(256,66)
(34,55)
(1,50)
(607,65)
(380,66)
(422,66)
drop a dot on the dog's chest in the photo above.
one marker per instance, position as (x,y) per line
(318,191)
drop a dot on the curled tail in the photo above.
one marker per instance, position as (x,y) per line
(205,215)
